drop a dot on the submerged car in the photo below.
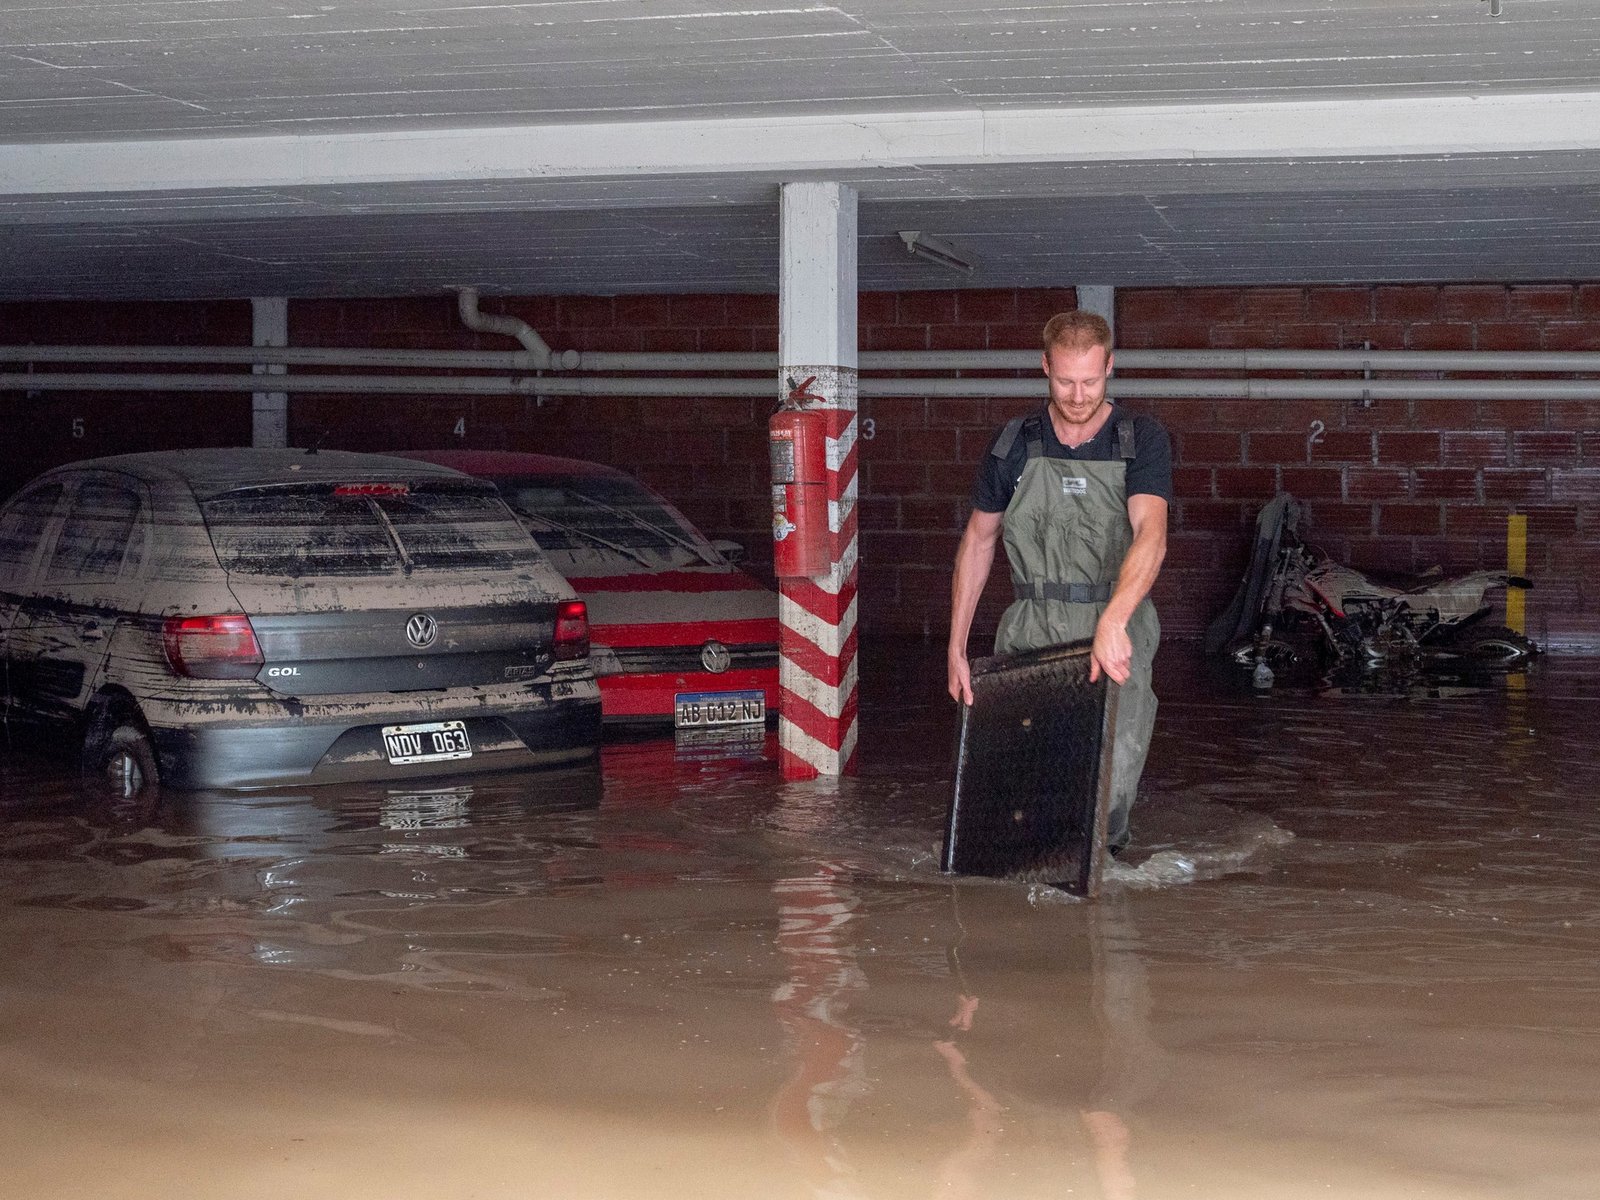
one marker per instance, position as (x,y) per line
(680,633)
(240,618)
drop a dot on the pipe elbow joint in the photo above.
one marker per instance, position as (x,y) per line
(537,348)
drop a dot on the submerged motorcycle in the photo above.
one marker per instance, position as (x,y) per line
(1296,609)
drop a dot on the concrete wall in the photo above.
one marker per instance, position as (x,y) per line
(1401,485)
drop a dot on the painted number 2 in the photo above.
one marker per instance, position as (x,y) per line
(1315,436)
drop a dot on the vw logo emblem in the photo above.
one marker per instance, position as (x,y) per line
(421,629)
(714,657)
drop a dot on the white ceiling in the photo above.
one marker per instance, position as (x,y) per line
(173,148)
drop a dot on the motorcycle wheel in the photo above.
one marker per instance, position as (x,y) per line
(1490,645)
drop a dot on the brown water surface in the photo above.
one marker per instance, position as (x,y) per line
(1353,954)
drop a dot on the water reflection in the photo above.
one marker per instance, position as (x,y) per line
(1421,680)
(316,880)
(1363,931)
(1085,1055)
(962,1172)
(816,940)
(1132,1063)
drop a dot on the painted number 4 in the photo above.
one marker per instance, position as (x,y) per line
(460,429)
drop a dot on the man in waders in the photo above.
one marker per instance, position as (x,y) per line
(1080,490)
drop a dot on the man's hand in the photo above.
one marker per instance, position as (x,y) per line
(1112,651)
(960,672)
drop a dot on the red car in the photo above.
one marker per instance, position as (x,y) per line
(679,633)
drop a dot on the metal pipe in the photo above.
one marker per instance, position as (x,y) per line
(467,306)
(1509,362)
(707,360)
(446,385)
(527,385)
(312,356)
(1259,389)
(1535,361)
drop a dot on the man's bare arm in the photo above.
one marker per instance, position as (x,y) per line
(1113,650)
(974,558)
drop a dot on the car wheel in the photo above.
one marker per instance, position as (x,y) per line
(117,752)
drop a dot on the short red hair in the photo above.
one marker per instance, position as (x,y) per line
(1077,331)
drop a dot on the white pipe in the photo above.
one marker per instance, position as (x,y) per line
(467,306)
(1509,362)
(707,360)
(1357,360)
(444,385)
(483,360)
(1259,389)
(493,385)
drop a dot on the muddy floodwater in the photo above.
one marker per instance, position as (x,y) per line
(1354,952)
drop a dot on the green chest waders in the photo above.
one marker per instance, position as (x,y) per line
(1066,534)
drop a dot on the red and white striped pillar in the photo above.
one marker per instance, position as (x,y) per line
(817,351)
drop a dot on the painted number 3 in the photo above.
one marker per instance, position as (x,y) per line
(869,429)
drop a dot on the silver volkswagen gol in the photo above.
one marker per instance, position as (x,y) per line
(247,618)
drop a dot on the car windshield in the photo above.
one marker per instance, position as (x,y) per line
(314,530)
(605,512)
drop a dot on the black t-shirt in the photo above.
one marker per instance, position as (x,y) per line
(1149,471)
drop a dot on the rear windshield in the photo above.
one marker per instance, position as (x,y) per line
(578,510)
(309,530)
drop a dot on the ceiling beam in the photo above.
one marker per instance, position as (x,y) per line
(800,145)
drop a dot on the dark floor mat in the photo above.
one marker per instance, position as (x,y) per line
(1032,771)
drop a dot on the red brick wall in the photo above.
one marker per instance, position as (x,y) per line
(44,429)
(1399,485)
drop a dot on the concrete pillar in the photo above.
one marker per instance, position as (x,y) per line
(1102,301)
(269,414)
(817,368)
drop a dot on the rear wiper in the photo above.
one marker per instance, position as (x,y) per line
(581,534)
(406,563)
(675,538)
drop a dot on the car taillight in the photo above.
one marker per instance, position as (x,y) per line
(572,630)
(221,647)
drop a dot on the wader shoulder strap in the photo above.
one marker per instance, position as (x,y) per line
(1028,428)
(1125,440)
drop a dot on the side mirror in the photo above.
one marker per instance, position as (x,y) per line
(732,551)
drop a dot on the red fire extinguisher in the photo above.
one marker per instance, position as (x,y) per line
(798,442)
